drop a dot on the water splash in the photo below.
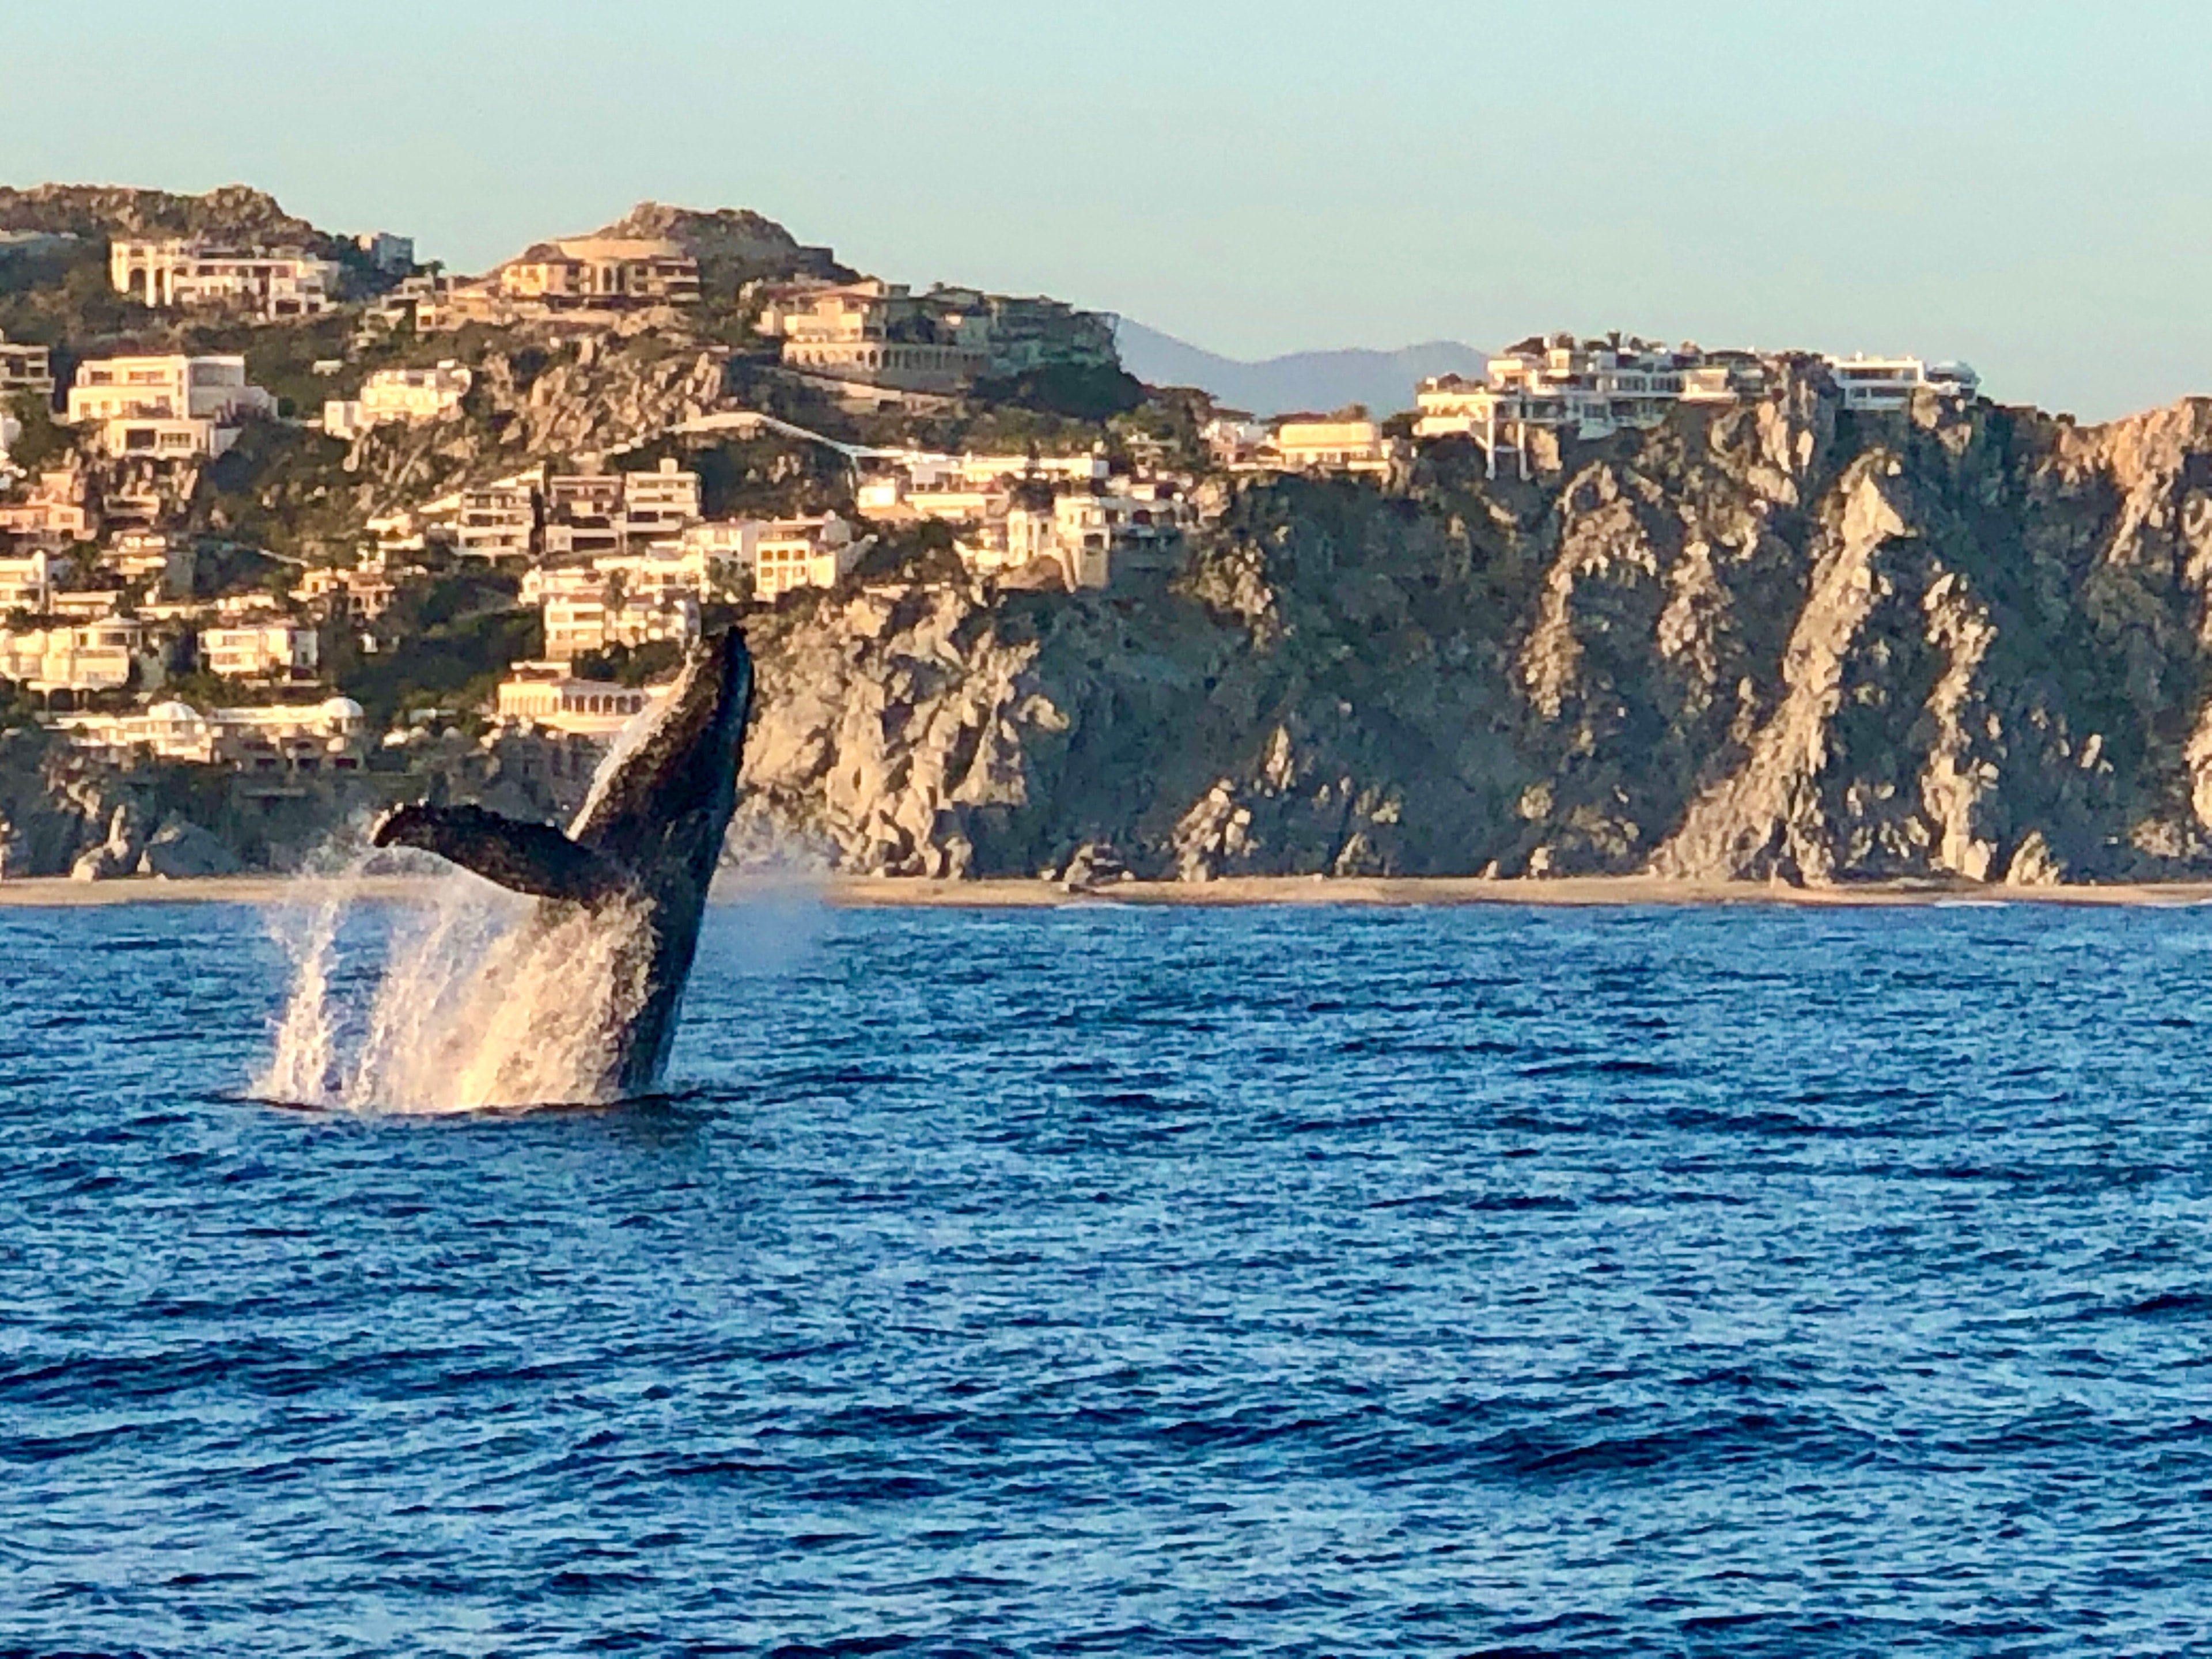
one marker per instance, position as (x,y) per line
(467,997)
(471,999)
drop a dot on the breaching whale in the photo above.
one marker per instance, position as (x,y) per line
(641,852)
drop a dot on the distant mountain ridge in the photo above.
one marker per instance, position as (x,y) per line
(1383,380)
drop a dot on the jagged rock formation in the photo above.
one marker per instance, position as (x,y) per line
(533,402)
(180,849)
(732,244)
(232,211)
(1777,641)
(1773,641)
(53,809)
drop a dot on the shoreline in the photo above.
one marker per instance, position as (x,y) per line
(1387,892)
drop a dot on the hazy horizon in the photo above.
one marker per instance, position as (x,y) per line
(2015,190)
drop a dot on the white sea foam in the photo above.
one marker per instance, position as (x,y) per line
(477,999)
(470,1001)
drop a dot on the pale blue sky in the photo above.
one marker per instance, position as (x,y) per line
(2025,185)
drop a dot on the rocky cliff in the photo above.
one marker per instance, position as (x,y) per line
(1780,640)
(234,211)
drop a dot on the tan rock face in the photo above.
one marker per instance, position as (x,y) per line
(1779,642)
(562,401)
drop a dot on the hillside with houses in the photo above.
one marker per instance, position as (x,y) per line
(296,523)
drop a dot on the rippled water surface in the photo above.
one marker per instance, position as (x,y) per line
(1133,1281)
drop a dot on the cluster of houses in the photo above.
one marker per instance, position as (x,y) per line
(1559,384)
(274,285)
(1066,518)
(329,736)
(1353,444)
(84,641)
(873,345)
(629,559)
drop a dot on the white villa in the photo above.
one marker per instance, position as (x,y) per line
(1306,445)
(183,272)
(95,656)
(283,737)
(659,502)
(499,520)
(546,694)
(170,408)
(874,333)
(275,650)
(1593,388)
(1889,383)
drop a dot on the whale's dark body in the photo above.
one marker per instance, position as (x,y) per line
(645,844)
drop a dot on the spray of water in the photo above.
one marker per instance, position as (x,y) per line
(467,999)
(473,998)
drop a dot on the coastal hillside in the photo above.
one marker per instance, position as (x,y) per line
(1780,640)
(294,524)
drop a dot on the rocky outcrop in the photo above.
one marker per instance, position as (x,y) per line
(563,401)
(178,850)
(54,809)
(1772,642)
(232,211)
(732,244)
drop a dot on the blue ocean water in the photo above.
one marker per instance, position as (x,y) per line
(1102,1281)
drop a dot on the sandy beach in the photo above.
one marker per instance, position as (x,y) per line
(861,891)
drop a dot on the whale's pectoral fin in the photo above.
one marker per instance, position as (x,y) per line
(530,858)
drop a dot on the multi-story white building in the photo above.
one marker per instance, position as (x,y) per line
(25,368)
(548,694)
(274,650)
(657,505)
(94,656)
(1354,446)
(874,333)
(1085,532)
(807,552)
(667,568)
(498,521)
(579,623)
(398,395)
(27,584)
(185,272)
(87,604)
(169,408)
(327,735)
(1881,384)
